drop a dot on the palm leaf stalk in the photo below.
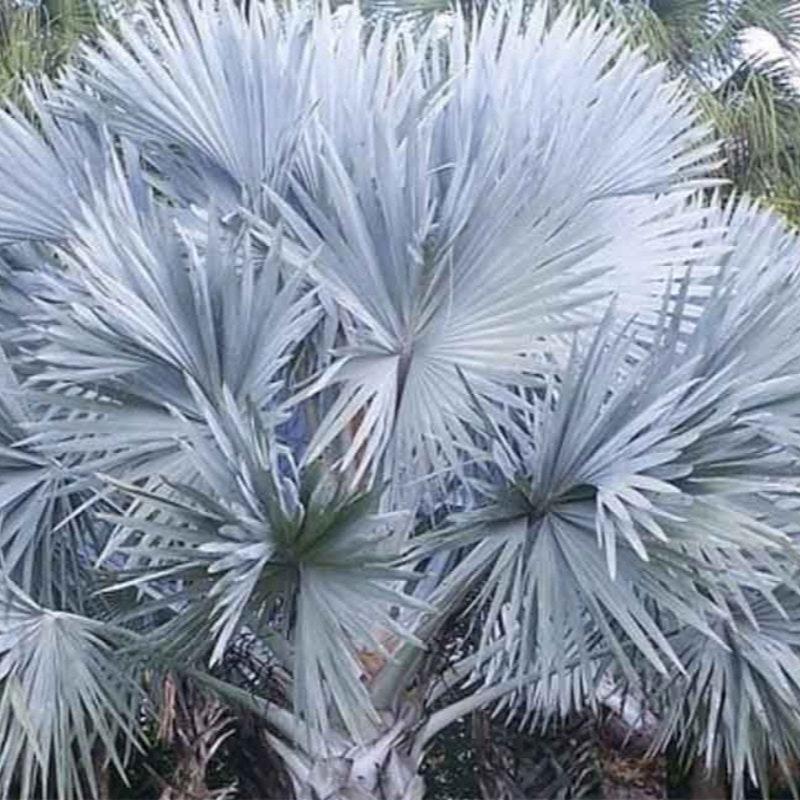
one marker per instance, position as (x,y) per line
(327,334)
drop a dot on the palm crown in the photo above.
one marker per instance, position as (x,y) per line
(325,331)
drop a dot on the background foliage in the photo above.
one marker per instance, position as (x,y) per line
(37,36)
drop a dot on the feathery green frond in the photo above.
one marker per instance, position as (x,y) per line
(37,37)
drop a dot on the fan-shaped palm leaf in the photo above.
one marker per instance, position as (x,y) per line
(51,162)
(664,467)
(46,536)
(152,316)
(469,244)
(63,693)
(287,555)
(226,86)
(737,702)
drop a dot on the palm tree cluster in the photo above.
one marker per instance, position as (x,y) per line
(322,338)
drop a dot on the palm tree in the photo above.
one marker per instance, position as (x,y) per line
(337,337)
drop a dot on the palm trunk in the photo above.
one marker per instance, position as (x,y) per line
(628,770)
(634,780)
(493,761)
(259,770)
(102,774)
(382,769)
(633,777)
(367,774)
(195,725)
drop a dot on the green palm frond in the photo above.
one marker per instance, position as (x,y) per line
(778,17)
(37,37)
(756,112)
